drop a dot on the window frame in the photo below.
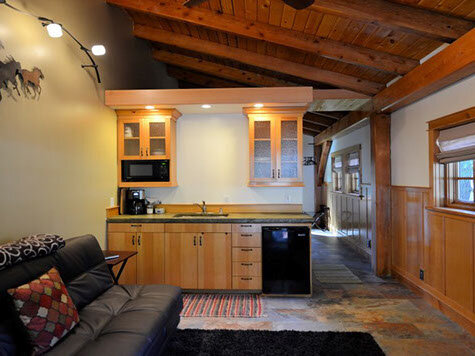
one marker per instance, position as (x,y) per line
(346,176)
(451,186)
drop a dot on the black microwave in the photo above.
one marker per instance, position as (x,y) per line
(146,170)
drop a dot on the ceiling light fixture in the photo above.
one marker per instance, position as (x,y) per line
(98,50)
(258,105)
(206,106)
(150,107)
(56,30)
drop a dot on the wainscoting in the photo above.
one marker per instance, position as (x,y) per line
(351,216)
(440,244)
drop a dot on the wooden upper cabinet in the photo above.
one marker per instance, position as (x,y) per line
(147,135)
(275,146)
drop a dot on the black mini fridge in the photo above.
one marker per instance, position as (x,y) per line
(286,260)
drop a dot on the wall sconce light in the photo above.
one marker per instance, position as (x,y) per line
(56,30)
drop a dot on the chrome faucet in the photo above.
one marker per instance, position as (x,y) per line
(202,207)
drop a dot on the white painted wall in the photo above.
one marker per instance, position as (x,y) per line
(213,164)
(308,177)
(409,140)
(361,136)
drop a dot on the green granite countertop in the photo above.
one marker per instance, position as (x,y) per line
(256,218)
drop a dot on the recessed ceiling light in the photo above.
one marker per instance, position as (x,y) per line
(258,105)
(150,107)
(206,106)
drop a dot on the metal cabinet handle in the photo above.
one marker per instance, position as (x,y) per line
(201,243)
(246,225)
(246,235)
(133,240)
(246,279)
(278,173)
(135,225)
(141,151)
(246,249)
(246,264)
(146,151)
(194,240)
(273,173)
(139,240)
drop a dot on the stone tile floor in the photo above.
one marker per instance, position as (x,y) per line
(400,321)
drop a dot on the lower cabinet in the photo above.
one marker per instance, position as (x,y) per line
(198,260)
(148,240)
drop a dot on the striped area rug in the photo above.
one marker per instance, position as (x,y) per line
(222,305)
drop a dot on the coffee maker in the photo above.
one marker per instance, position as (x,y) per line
(135,202)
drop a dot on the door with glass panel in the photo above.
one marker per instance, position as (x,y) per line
(262,147)
(289,149)
(130,139)
(156,137)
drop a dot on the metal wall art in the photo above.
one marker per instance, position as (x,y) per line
(11,73)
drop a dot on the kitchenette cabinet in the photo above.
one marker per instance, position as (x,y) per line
(276,146)
(147,135)
(148,240)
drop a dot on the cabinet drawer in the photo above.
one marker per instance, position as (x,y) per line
(152,227)
(197,227)
(247,269)
(122,227)
(247,228)
(254,283)
(247,254)
(242,239)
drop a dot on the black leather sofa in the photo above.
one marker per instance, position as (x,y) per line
(114,319)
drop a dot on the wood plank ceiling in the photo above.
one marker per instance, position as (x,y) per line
(360,45)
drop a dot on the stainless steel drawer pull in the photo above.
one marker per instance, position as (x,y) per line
(247,249)
(135,225)
(246,264)
(246,279)
(246,225)
(250,235)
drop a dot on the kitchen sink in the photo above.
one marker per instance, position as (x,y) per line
(192,215)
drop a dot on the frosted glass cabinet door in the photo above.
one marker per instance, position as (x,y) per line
(263,164)
(289,154)
(130,139)
(157,139)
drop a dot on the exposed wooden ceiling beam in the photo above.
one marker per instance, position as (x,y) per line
(448,66)
(219,70)
(324,94)
(258,60)
(313,126)
(349,120)
(274,34)
(335,115)
(317,119)
(199,79)
(397,16)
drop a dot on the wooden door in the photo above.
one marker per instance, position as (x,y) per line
(214,261)
(181,260)
(130,139)
(262,150)
(156,138)
(124,241)
(289,150)
(151,258)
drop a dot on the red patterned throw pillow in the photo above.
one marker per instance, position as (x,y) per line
(46,309)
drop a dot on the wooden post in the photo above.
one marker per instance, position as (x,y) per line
(381,193)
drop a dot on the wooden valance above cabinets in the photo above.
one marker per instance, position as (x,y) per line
(275,146)
(147,135)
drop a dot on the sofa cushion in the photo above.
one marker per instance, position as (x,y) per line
(83,269)
(125,320)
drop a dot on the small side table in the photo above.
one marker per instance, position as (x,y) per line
(123,258)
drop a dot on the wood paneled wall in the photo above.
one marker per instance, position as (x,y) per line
(351,216)
(440,242)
